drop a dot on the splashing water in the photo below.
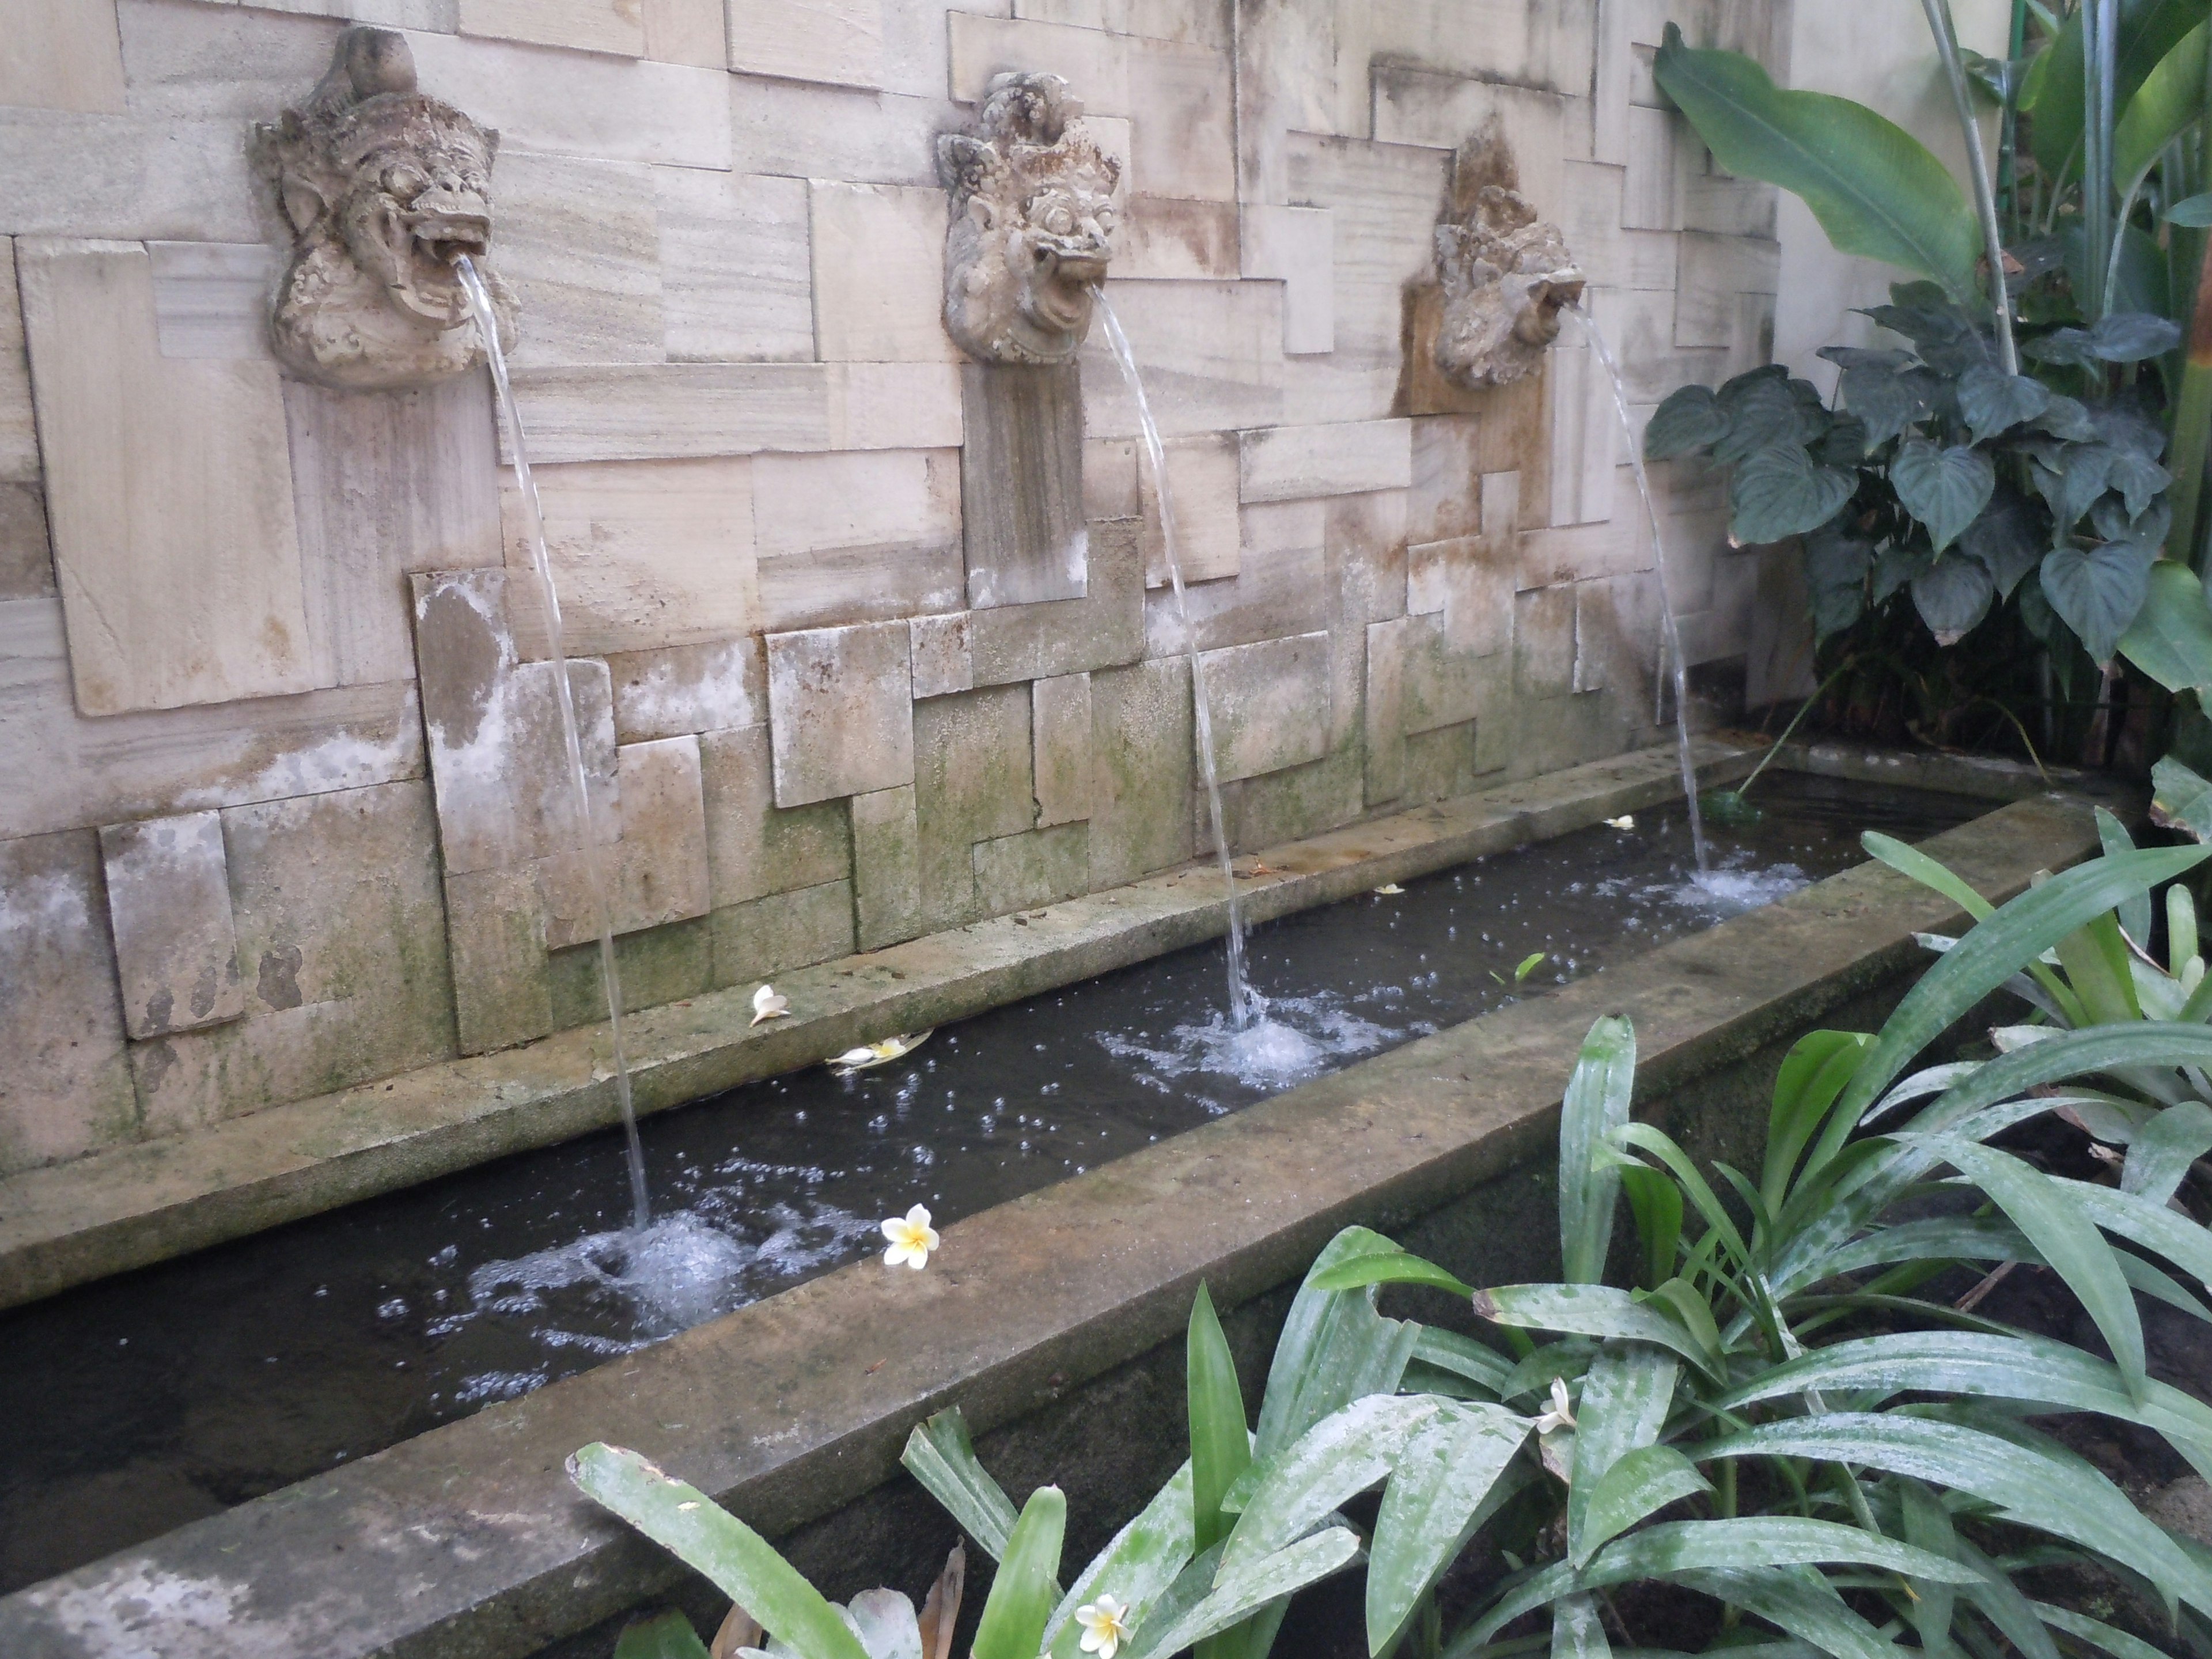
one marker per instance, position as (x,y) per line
(1242,1008)
(1672,647)
(587,845)
(1316,1033)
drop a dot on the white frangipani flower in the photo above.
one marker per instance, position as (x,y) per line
(880,1053)
(1105,1626)
(1625,821)
(1562,1415)
(1389,890)
(767,1004)
(912,1239)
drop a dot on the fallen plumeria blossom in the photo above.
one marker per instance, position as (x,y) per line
(880,1053)
(912,1239)
(767,1004)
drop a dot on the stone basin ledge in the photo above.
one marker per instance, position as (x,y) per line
(73,1223)
(468,1542)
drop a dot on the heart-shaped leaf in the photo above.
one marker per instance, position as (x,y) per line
(2098,591)
(2129,336)
(1778,492)
(2068,418)
(1835,580)
(1690,420)
(1945,489)
(1953,596)
(2139,479)
(2171,639)
(1993,400)
(2073,479)
(2062,345)
(1760,412)
(2009,538)
(1898,565)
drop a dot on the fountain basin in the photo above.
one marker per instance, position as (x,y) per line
(1041,1314)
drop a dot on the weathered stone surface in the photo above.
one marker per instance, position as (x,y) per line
(60,57)
(689,688)
(886,867)
(1202,474)
(942,662)
(972,783)
(877,273)
(1167,239)
(1038,867)
(1142,786)
(1059,729)
(840,711)
(496,927)
(686,32)
(67,1090)
(1445,762)
(170,495)
(646,554)
(1364,545)
(779,931)
(343,940)
(18,435)
(387,484)
(27,559)
(212,298)
(1385,710)
(1069,636)
(659,871)
(655,965)
(837,41)
(862,536)
(1290,805)
(168,903)
(754,847)
(1293,463)
(735,281)
(1270,703)
(1279,592)
(1211,355)
(1466,583)
(579,243)
(1297,247)
(1544,641)
(1444,686)
(586,25)
(1021,483)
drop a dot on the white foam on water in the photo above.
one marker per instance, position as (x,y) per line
(1290,1039)
(1736,887)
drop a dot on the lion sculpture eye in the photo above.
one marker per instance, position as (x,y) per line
(404,182)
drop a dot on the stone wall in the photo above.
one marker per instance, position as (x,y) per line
(286,807)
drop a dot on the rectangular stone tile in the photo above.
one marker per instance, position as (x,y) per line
(1206,23)
(735,279)
(385,484)
(1442,687)
(1181,106)
(1293,463)
(894,406)
(122,176)
(656,872)
(1364,547)
(583,25)
(1715,272)
(1615,56)
(1270,703)
(886,867)
(1295,247)
(1385,710)
(841,702)
(646,554)
(119,766)
(1060,727)
(60,57)
(168,903)
(27,559)
(943,662)
(495,929)
(1274,595)
(1038,867)
(1443,112)
(754,847)
(579,241)
(972,783)
(840,42)
(1648,196)
(1105,629)
(575,103)
(878,273)
(1142,747)
(1093,63)
(655,965)
(1211,355)
(689,688)
(343,938)
(212,298)
(1202,478)
(781,932)
(686,32)
(1110,466)
(1021,483)
(857,536)
(1544,641)
(1446,498)
(818,132)
(1292,75)
(1167,239)
(1292,804)
(67,1088)
(1590,217)
(170,495)
(1446,763)
(1585,436)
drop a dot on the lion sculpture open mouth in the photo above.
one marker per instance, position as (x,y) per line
(385,190)
(1031,227)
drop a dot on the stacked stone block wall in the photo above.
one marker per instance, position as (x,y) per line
(286,808)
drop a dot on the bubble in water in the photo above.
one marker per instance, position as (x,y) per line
(1290,1039)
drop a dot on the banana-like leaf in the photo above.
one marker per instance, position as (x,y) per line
(1875,189)
(1596,1310)
(2068,1241)
(1136,1566)
(2163,1151)
(1220,1441)
(1640,1483)
(708,1539)
(668,1635)
(1026,1587)
(2068,1499)
(1446,1484)
(2170,638)
(1589,1184)
(1340,1456)
(1238,1594)
(2149,30)
(1674,1548)
(1627,1393)
(940,1456)
(2013,936)
(2171,97)
(1335,1348)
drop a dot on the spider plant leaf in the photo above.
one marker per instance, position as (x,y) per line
(1026,1587)
(1463,1357)
(940,1456)
(1136,1566)
(1447,1483)
(1335,1347)
(2112,836)
(1813,1074)
(1627,1393)
(1240,1594)
(1399,1267)
(1220,1441)
(1340,1456)
(1578,1632)
(1597,1103)
(2117,1642)
(1596,1310)
(2151,1227)
(2163,1150)
(668,1635)
(1640,1483)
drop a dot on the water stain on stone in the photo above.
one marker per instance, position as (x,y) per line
(159,1008)
(460,658)
(279,985)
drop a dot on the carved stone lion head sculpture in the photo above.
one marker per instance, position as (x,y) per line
(1506,276)
(383,189)
(1031,227)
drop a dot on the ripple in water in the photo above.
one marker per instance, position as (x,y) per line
(1290,1039)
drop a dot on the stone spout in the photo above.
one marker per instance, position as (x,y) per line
(1506,276)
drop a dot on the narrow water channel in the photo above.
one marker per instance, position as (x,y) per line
(134,1405)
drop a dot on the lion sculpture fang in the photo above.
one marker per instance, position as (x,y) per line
(1506,277)
(383,190)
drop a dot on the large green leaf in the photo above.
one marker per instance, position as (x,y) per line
(2098,591)
(667,1635)
(1220,1440)
(2170,98)
(2162,1153)
(1945,489)
(2149,30)
(2153,1227)
(2181,798)
(1238,1594)
(1577,1631)
(708,1539)
(1463,1357)
(1026,1585)
(1340,1456)
(1779,491)
(1446,1481)
(1875,189)
(1642,1482)
(1136,1566)
(1689,420)
(1625,1400)
(2067,1498)
(1335,1347)
(939,1454)
(1596,1310)
(1953,595)
(1993,400)
(1597,1103)
(2171,639)
(1811,1076)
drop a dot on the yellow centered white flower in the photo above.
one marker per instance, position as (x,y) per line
(1561,1416)
(1625,821)
(1105,1626)
(1389,890)
(767,1004)
(912,1239)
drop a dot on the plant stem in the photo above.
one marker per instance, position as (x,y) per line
(1807,708)
(1985,201)
(2008,132)
(2100,24)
